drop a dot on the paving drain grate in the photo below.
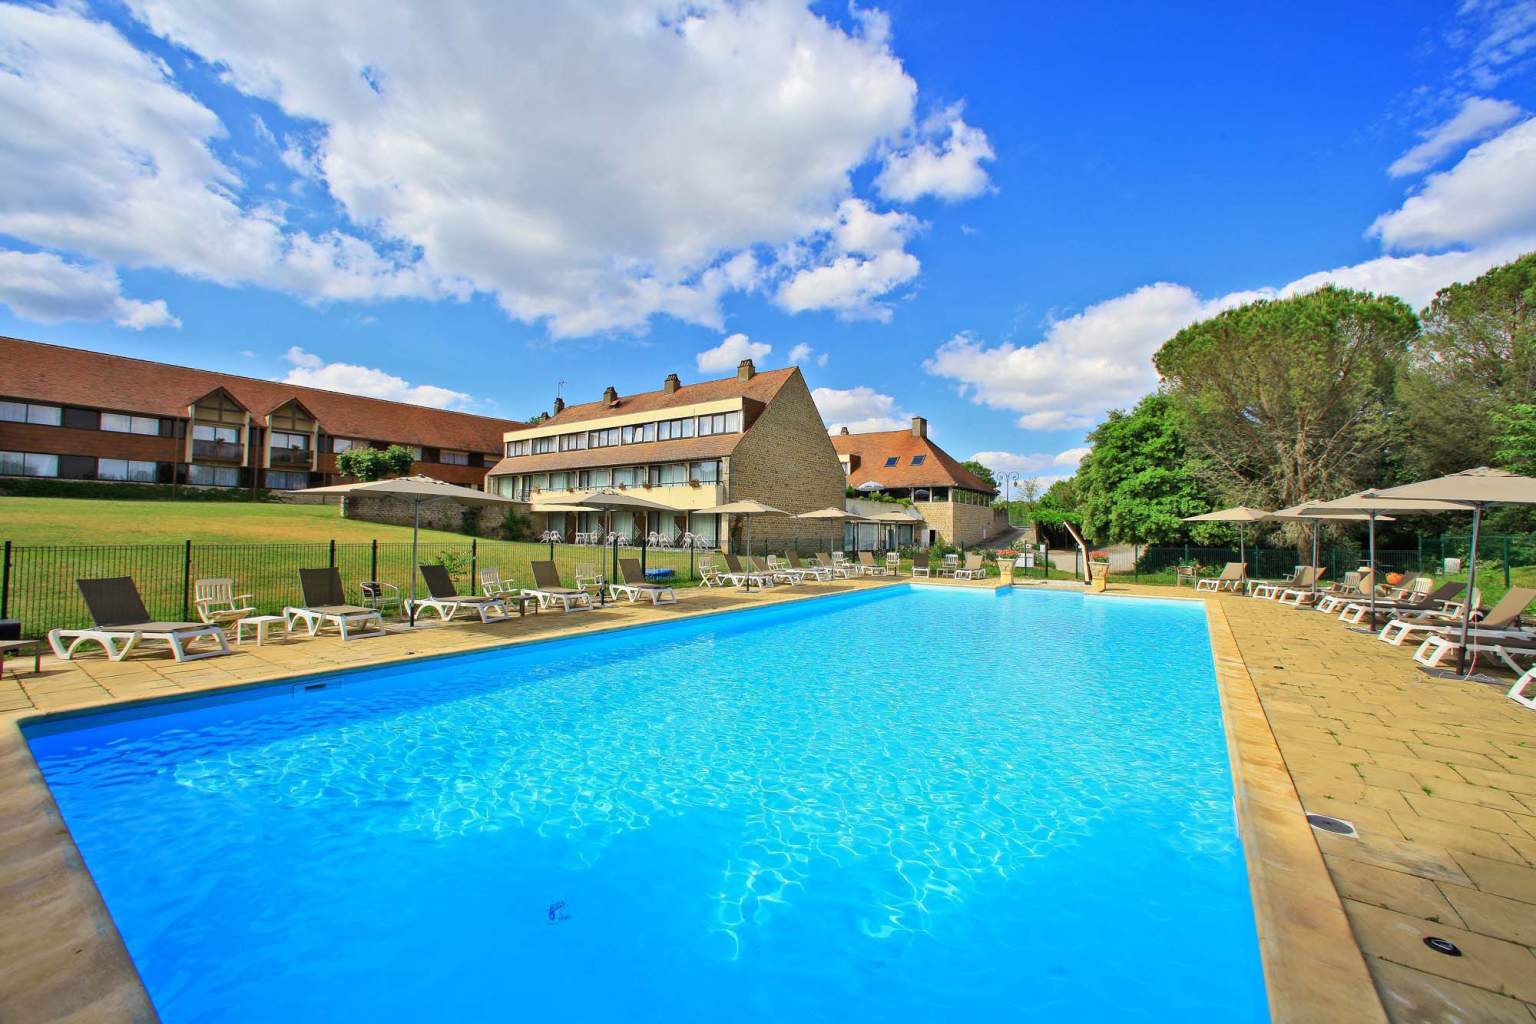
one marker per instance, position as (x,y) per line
(1327,823)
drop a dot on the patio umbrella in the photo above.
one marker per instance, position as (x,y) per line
(1239,514)
(747,509)
(834,513)
(418,490)
(1371,505)
(611,501)
(1294,514)
(1476,489)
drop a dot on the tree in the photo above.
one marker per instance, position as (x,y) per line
(981,471)
(1475,357)
(1514,442)
(1290,399)
(1136,483)
(369,464)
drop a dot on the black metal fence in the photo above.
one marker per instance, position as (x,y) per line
(1429,556)
(37,582)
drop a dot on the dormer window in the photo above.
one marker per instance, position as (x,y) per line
(892,461)
(917,460)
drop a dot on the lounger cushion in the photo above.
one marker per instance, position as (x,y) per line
(342,609)
(158,627)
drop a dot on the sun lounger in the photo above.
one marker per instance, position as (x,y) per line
(840,568)
(974,569)
(1432,600)
(1526,682)
(1335,600)
(1283,582)
(738,576)
(1405,626)
(774,572)
(1230,579)
(819,572)
(635,585)
(1305,592)
(1501,626)
(446,600)
(326,602)
(869,567)
(121,622)
(549,591)
(1502,620)
(1269,590)
(779,567)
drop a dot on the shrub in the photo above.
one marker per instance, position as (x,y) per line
(369,464)
(109,491)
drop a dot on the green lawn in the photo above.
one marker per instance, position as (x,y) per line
(85,521)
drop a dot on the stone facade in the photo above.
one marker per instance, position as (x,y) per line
(484,521)
(957,522)
(787,460)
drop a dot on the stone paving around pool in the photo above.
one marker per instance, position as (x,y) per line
(1438,776)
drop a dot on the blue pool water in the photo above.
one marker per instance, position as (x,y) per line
(913,805)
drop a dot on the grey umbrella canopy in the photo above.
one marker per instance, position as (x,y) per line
(748,509)
(1237,514)
(1476,489)
(1294,514)
(418,490)
(1373,506)
(610,501)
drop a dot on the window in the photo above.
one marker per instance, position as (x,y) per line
(573,442)
(628,476)
(559,481)
(286,481)
(127,469)
(209,432)
(28,464)
(705,472)
(668,430)
(590,478)
(603,438)
(917,460)
(516,448)
(451,458)
(544,445)
(215,476)
(281,439)
(892,461)
(639,433)
(719,423)
(23,412)
(672,474)
(346,444)
(121,423)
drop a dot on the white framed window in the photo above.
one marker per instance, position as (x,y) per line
(603,438)
(515,448)
(122,423)
(670,474)
(705,472)
(28,464)
(590,478)
(29,412)
(559,481)
(628,476)
(545,445)
(668,430)
(639,433)
(719,423)
(573,442)
(213,476)
(451,458)
(126,469)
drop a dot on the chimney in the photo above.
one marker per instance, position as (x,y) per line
(919,427)
(559,405)
(745,370)
(610,396)
(671,384)
(844,431)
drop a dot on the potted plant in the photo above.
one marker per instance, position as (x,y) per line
(1098,567)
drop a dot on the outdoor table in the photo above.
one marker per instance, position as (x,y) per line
(22,647)
(262,624)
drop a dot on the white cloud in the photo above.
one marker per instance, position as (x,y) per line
(107,158)
(309,370)
(1487,197)
(620,167)
(247,353)
(860,409)
(1477,118)
(864,260)
(803,353)
(42,287)
(945,161)
(730,352)
(1061,463)
(1415,279)
(1501,38)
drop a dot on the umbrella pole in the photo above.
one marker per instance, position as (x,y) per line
(1466,619)
(415,538)
(1371,529)
(1317,528)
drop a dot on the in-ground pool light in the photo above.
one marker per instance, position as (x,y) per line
(1328,823)
(1440,945)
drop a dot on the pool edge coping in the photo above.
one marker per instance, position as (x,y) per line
(1313,967)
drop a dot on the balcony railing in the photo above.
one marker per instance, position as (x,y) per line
(294,458)
(217,451)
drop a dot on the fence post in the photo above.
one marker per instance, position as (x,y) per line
(645,545)
(186,582)
(551,549)
(333,552)
(373,561)
(5,584)
(615,574)
(474,563)
(1506,561)
(692,572)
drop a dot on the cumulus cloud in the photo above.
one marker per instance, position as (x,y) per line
(1477,118)
(945,162)
(730,352)
(43,287)
(803,353)
(860,409)
(310,370)
(1486,197)
(1035,464)
(865,260)
(1500,39)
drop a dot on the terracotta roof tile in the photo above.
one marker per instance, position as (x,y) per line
(72,376)
(938,469)
(763,386)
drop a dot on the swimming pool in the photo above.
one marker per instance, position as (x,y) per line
(909,804)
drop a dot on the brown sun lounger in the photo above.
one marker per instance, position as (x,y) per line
(325,601)
(121,623)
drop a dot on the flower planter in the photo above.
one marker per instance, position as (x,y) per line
(1100,571)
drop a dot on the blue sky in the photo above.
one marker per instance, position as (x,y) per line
(986,214)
